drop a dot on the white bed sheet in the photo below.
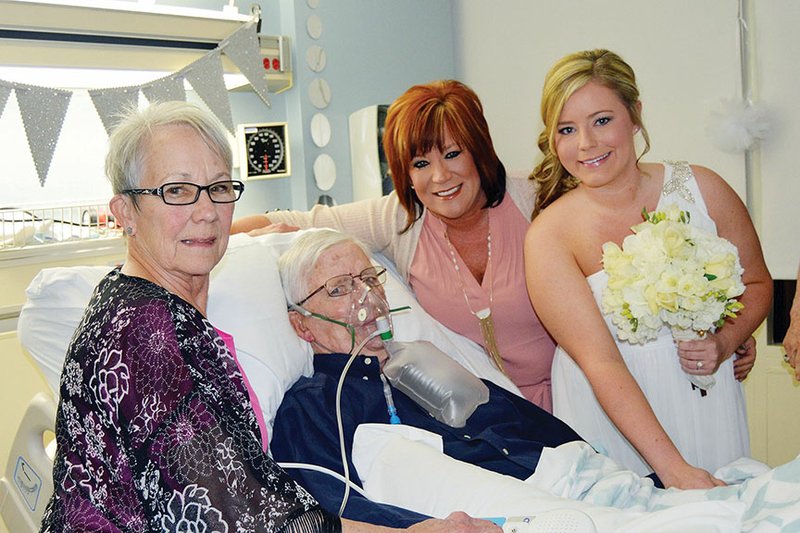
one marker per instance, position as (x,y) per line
(405,466)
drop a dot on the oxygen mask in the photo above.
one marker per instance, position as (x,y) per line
(368,305)
(366,312)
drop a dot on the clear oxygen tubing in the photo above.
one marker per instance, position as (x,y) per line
(387,335)
(387,394)
(328,471)
(339,424)
(385,332)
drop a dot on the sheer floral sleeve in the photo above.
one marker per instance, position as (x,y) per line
(155,430)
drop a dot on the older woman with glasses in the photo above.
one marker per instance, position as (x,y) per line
(157,429)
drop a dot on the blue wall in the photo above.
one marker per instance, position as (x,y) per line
(375,50)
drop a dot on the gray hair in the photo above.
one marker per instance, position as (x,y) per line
(127,145)
(298,261)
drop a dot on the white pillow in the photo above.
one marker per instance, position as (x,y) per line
(246,300)
(56,300)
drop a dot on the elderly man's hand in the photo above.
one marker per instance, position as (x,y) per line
(457,522)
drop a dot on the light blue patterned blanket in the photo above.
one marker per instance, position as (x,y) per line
(764,499)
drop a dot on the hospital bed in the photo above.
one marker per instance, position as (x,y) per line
(400,465)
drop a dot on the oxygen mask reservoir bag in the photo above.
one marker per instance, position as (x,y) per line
(438,384)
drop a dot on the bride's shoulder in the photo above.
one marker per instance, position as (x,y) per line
(654,170)
(709,182)
(560,217)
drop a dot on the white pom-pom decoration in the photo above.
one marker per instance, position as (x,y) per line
(735,126)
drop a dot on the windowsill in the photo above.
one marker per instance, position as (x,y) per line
(72,251)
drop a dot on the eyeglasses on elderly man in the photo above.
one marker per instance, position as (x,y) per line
(345,284)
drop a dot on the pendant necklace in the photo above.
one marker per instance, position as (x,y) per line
(484,316)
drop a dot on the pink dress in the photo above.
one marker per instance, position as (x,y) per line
(262,425)
(526,348)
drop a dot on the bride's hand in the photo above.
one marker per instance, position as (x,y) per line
(690,477)
(700,357)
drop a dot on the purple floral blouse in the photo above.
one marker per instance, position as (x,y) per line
(155,429)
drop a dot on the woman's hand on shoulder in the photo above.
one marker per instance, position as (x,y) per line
(278,227)
(745,359)
(249,223)
(255,225)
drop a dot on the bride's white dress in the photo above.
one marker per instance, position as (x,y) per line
(709,431)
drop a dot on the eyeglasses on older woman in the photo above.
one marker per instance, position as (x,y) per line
(185,193)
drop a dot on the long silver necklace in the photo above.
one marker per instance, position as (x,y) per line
(484,316)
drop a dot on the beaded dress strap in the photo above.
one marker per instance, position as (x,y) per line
(679,176)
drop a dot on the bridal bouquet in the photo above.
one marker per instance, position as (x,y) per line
(669,273)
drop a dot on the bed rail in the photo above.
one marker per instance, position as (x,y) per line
(23,228)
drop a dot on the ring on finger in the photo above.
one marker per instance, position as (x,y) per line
(699,364)
(786,357)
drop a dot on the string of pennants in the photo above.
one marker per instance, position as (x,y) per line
(43,108)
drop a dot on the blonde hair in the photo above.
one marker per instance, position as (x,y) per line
(566,76)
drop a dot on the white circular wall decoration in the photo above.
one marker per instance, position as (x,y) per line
(319,92)
(314,26)
(316,58)
(320,130)
(324,172)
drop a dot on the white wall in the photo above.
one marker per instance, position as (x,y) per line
(685,54)
(777,79)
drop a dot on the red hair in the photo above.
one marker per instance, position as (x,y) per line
(416,122)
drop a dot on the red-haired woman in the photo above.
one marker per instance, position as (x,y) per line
(454,227)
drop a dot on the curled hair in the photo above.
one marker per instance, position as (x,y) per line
(416,122)
(298,261)
(566,76)
(128,142)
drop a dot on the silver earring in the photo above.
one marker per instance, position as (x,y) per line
(129,230)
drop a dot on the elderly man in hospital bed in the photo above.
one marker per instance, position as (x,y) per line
(385,425)
(337,305)
(408,470)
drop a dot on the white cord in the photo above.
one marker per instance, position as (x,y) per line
(339,423)
(332,473)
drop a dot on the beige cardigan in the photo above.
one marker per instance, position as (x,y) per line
(377,222)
